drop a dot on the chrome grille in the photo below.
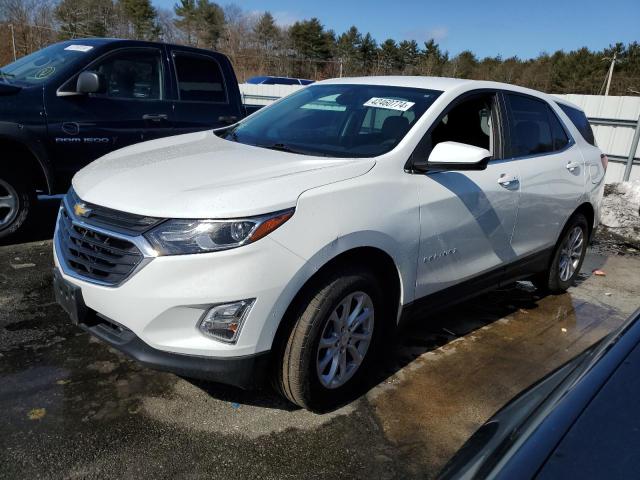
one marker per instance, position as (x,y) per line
(94,255)
(113,220)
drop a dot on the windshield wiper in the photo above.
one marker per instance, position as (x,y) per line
(281,147)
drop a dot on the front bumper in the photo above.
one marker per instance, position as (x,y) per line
(162,303)
(246,372)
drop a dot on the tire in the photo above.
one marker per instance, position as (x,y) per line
(300,375)
(17,199)
(568,256)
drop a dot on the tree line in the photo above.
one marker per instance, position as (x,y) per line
(257,44)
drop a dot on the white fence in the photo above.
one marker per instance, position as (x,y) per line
(613,120)
(265,94)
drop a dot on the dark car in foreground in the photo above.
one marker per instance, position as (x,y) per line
(72,102)
(582,421)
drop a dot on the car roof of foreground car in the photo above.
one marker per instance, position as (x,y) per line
(442,84)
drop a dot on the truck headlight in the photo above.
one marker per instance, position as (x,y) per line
(184,236)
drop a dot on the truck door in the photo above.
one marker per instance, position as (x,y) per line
(130,108)
(206,92)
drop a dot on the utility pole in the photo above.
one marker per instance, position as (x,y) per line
(13,41)
(610,74)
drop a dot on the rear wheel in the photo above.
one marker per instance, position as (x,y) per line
(333,340)
(16,202)
(567,259)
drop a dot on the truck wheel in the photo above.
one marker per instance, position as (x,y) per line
(567,258)
(333,340)
(16,202)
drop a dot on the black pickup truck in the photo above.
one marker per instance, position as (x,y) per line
(70,103)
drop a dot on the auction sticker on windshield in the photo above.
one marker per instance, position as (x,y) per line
(389,103)
(79,48)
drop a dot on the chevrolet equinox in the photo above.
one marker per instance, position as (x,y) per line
(290,243)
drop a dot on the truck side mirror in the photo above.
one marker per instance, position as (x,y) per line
(88,82)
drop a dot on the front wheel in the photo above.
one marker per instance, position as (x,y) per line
(16,202)
(333,340)
(567,259)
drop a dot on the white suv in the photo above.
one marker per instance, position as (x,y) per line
(290,243)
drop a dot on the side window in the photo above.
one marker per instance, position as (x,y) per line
(560,138)
(535,128)
(134,74)
(468,122)
(581,122)
(199,78)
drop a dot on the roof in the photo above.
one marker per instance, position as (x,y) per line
(432,83)
(443,84)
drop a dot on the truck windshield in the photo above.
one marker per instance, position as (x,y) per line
(336,120)
(38,67)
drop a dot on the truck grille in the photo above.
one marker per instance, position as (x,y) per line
(93,255)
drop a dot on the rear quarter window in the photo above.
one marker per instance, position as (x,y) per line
(579,119)
(200,78)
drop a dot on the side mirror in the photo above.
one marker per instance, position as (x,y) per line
(88,82)
(457,156)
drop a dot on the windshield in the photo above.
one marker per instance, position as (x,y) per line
(336,120)
(38,67)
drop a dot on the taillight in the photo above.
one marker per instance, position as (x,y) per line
(605,161)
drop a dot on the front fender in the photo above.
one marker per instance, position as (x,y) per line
(23,136)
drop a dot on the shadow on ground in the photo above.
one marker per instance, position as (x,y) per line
(420,335)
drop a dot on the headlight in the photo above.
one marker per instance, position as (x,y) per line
(181,236)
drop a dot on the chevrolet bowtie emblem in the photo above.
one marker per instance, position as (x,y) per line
(81,210)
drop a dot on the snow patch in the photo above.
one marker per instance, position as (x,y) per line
(621,210)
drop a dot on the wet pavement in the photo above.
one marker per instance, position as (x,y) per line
(72,407)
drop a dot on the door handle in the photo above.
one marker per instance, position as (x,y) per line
(573,166)
(507,180)
(155,117)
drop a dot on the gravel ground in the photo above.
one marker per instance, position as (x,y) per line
(73,407)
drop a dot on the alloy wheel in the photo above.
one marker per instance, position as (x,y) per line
(571,253)
(8,203)
(345,340)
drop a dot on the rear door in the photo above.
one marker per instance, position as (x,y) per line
(552,172)
(206,94)
(131,108)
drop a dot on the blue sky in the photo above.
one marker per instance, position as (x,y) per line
(488,28)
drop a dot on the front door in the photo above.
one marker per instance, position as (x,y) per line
(129,109)
(467,217)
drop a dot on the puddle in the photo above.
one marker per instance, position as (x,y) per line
(505,341)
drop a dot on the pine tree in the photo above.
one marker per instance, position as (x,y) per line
(142,16)
(310,39)
(266,32)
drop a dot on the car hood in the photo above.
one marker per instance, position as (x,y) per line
(199,175)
